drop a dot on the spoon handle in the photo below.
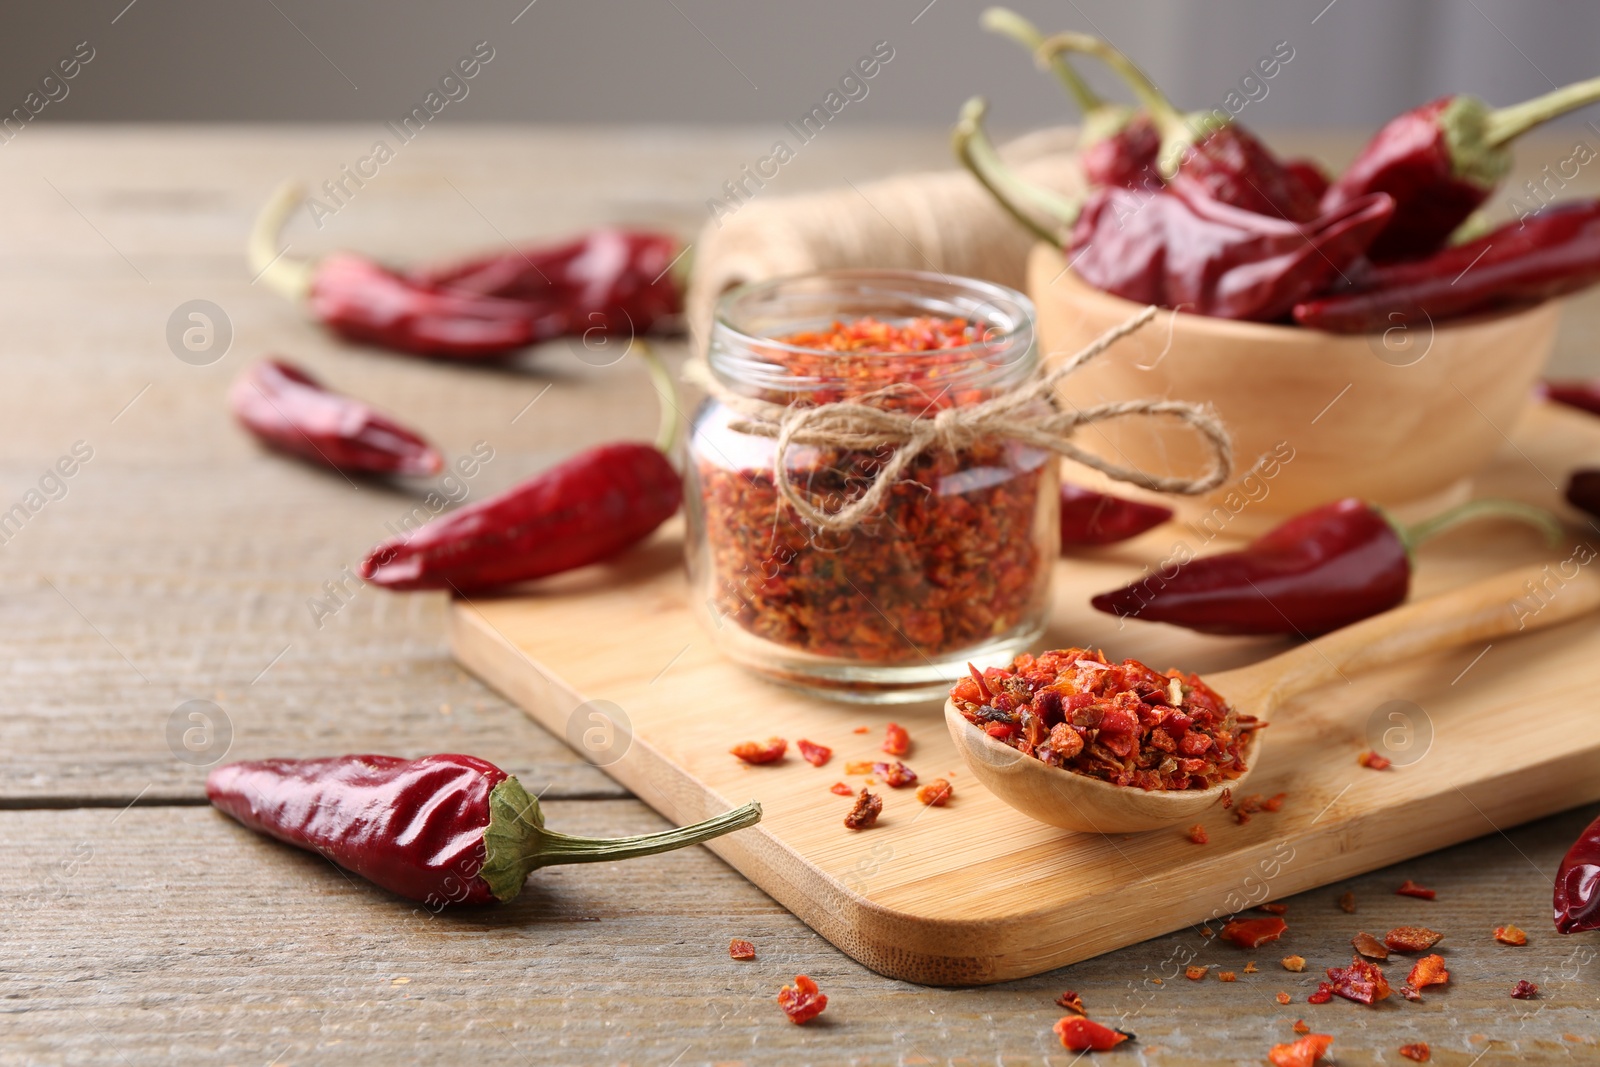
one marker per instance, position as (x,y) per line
(1529,598)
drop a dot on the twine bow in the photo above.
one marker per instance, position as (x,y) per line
(861,424)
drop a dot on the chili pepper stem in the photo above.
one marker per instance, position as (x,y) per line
(517,843)
(268,263)
(1506,123)
(671,427)
(1008,23)
(1473,510)
(977,154)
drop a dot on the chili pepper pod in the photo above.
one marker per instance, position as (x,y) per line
(292,412)
(581,511)
(366,302)
(446,829)
(1091,518)
(1117,144)
(1206,147)
(1440,161)
(1577,891)
(1318,571)
(1539,258)
(1175,246)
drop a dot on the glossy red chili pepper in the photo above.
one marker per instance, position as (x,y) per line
(1316,572)
(1577,895)
(1207,148)
(1440,162)
(1177,247)
(1546,255)
(1085,1035)
(1583,490)
(1117,144)
(1091,518)
(1311,175)
(606,281)
(446,829)
(292,412)
(1583,394)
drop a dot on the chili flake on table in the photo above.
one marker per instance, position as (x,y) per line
(1085,1035)
(1427,971)
(1374,761)
(740,949)
(1347,903)
(813,753)
(1524,990)
(1412,938)
(1302,1053)
(1253,933)
(802,1001)
(1300,1027)
(1362,981)
(1072,1002)
(1195,972)
(936,794)
(1273,909)
(1294,963)
(867,808)
(896,742)
(1369,946)
(1510,935)
(757,752)
(1417,1051)
(842,789)
(1122,723)
(1198,835)
(1408,888)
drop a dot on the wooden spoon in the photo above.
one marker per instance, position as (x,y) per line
(1494,607)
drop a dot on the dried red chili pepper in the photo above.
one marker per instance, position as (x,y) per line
(1302,1053)
(1312,176)
(813,753)
(1412,938)
(841,789)
(1510,935)
(1369,946)
(1071,1001)
(291,411)
(769,751)
(802,1001)
(1091,518)
(896,742)
(1253,933)
(1583,490)
(1408,888)
(1206,148)
(1541,257)
(740,949)
(1362,982)
(441,829)
(1583,394)
(1122,723)
(1316,572)
(1175,246)
(936,794)
(1577,891)
(1441,161)
(865,813)
(1417,1051)
(1085,1035)
(1524,990)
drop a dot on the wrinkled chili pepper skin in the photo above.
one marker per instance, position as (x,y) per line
(414,827)
(1577,894)
(292,412)
(1126,157)
(366,302)
(582,511)
(1233,166)
(1541,257)
(1311,176)
(1178,248)
(1091,518)
(1583,394)
(1316,572)
(609,280)
(1583,490)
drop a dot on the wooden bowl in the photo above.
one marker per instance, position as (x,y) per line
(1402,419)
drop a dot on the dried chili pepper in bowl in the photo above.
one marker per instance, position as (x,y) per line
(1577,892)
(447,829)
(1315,573)
(292,412)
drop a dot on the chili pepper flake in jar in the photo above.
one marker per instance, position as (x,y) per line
(951,564)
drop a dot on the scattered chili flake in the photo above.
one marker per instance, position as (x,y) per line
(1302,1053)
(896,742)
(1300,1027)
(1250,968)
(1072,1002)
(1206,931)
(1122,723)
(1373,760)
(1524,990)
(1411,938)
(1417,1051)
(1195,972)
(895,775)
(1248,806)
(1347,903)
(1085,1035)
(1227,976)
(1294,963)
(813,753)
(1510,935)
(1283,998)
(740,949)
(1227,799)
(1323,994)
(1427,971)
(1362,982)
(936,794)
(1274,803)
(1253,933)
(858,766)
(842,789)
(862,730)
(770,751)
(866,811)
(1198,835)
(1369,946)
(802,1001)
(1273,909)
(1408,888)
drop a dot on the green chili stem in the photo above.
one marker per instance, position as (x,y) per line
(1008,23)
(1472,511)
(289,277)
(1169,121)
(1508,122)
(556,848)
(671,418)
(977,154)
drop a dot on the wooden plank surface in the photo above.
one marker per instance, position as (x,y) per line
(185,940)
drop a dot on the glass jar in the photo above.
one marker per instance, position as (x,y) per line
(953,567)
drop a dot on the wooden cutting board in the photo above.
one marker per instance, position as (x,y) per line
(1484,738)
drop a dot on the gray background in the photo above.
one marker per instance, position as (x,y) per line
(691,61)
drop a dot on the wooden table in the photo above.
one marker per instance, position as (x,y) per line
(181,562)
